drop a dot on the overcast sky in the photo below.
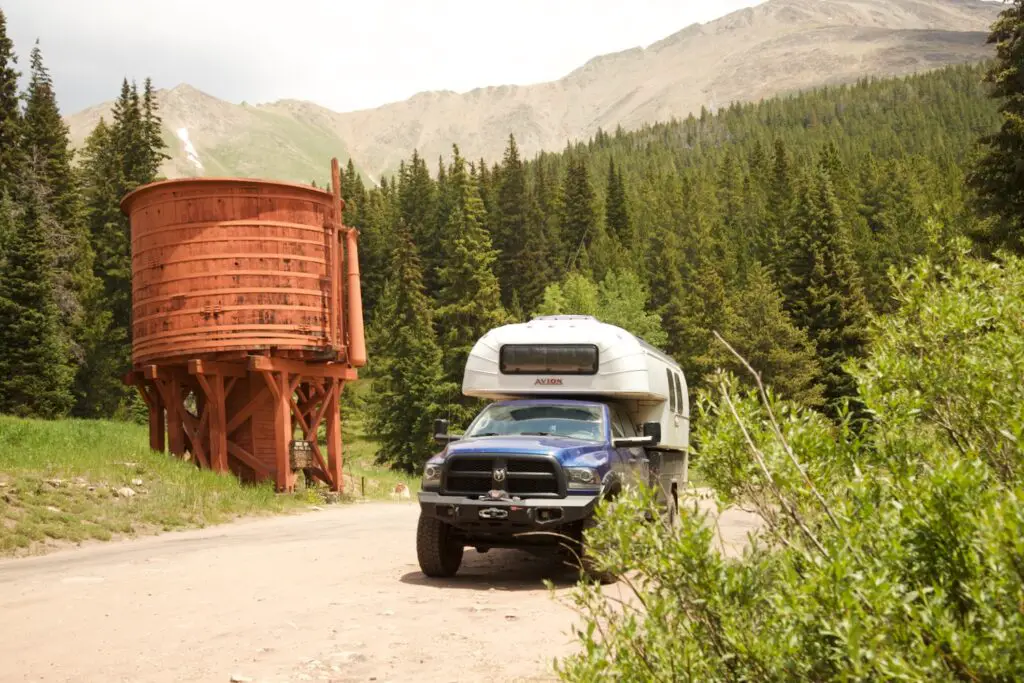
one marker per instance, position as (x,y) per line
(338,53)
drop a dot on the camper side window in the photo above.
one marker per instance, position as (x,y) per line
(679,393)
(671,390)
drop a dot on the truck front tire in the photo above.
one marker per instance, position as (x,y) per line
(439,554)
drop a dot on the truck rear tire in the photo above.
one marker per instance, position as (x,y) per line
(439,554)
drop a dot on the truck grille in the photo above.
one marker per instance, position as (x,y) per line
(473,475)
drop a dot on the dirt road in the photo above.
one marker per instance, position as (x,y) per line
(332,595)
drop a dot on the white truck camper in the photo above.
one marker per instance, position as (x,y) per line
(578,355)
(579,411)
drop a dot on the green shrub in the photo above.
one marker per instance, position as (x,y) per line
(898,557)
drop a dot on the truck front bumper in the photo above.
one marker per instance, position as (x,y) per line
(503,516)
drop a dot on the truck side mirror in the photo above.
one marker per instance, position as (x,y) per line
(441,434)
(653,431)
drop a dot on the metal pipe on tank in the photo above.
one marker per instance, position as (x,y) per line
(357,340)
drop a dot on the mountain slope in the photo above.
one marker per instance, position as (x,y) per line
(774,48)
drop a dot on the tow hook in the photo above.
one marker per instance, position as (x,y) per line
(547,515)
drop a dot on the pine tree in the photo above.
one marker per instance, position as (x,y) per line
(617,218)
(998,177)
(524,259)
(703,306)
(129,135)
(105,342)
(666,287)
(46,142)
(11,157)
(761,331)
(823,290)
(33,359)
(417,199)
(354,192)
(8,212)
(377,216)
(153,139)
(469,300)
(409,386)
(510,234)
(578,224)
(779,210)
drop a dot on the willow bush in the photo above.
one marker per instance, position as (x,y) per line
(893,547)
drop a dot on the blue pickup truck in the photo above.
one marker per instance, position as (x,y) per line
(566,429)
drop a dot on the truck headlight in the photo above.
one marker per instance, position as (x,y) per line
(431,476)
(583,478)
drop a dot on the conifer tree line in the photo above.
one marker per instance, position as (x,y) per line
(773,223)
(65,261)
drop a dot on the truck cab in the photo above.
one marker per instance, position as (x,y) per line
(579,413)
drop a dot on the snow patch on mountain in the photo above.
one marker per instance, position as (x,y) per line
(190,151)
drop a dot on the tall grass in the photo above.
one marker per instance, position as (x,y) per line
(67,480)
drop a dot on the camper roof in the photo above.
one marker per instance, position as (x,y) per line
(564,354)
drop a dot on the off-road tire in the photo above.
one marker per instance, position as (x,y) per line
(438,554)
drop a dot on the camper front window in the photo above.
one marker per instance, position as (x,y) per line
(572,421)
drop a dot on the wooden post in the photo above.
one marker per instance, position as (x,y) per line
(218,428)
(283,433)
(157,431)
(175,423)
(334,454)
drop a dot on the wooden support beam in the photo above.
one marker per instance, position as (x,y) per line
(246,457)
(175,425)
(216,410)
(245,413)
(157,428)
(209,367)
(334,452)
(283,433)
(195,428)
(218,425)
(303,369)
(321,475)
(299,417)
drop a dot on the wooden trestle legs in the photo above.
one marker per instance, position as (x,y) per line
(244,414)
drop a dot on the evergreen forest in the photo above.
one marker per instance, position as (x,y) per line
(775,224)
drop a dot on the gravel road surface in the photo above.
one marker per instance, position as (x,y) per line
(330,595)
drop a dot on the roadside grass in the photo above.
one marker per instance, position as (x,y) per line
(74,481)
(369,479)
(79,480)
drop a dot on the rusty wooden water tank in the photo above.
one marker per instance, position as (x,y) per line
(224,266)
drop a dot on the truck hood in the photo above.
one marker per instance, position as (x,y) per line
(567,451)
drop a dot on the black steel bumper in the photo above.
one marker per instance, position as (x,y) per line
(504,516)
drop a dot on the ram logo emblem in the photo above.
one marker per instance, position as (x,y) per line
(500,474)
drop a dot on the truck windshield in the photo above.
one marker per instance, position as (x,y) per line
(569,421)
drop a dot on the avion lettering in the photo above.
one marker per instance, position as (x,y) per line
(549,382)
